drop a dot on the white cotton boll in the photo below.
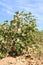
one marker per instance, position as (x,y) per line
(1,39)
(19,30)
(20,25)
(23,34)
(17,39)
(4,27)
(14,24)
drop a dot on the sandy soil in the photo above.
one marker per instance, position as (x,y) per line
(12,61)
(21,61)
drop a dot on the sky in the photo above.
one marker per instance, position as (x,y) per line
(9,7)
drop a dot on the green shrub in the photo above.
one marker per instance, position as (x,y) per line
(19,35)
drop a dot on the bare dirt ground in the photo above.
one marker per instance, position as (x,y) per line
(21,61)
(12,61)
